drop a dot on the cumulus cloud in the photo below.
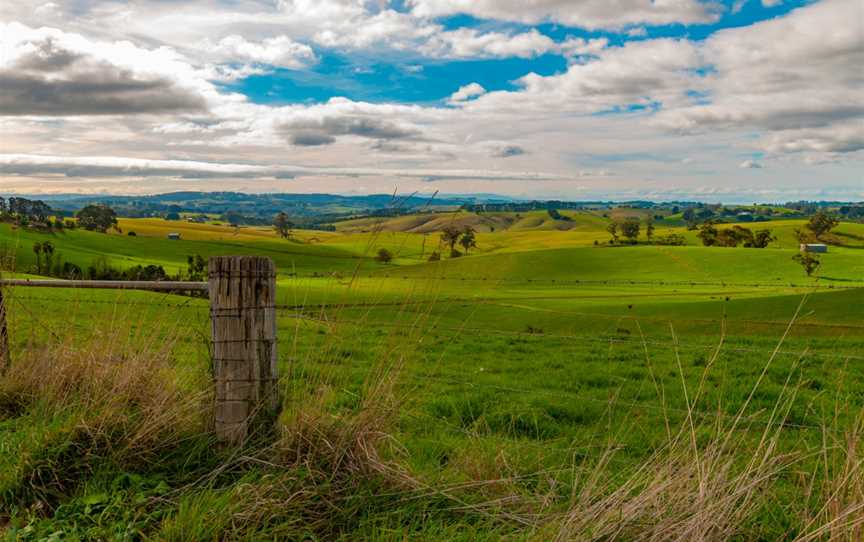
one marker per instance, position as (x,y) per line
(471,43)
(48,72)
(279,51)
(639,73)
(805,91)
(592,14)
(471,90)
(313,129)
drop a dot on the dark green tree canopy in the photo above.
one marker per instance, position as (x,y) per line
(97,218)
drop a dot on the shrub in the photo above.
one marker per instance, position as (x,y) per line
(673,239)
(384,256)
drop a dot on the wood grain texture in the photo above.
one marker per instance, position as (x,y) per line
(243,314)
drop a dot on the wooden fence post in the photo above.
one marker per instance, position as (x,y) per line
(5,358)
(243,314)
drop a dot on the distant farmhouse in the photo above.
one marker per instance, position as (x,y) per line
(174,236)
(814,247)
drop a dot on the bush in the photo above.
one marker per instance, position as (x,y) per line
(384,256)
(435,257)
(673,239)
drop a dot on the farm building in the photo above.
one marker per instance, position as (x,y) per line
(174,236)
(814,247)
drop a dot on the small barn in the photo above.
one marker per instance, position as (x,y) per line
(819,248)
(174,236)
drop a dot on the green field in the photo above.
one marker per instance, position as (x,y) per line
(503,380)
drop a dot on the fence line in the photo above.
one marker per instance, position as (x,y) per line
(489,301)
(604,339)
(593,338)
(588,282)
(172,286)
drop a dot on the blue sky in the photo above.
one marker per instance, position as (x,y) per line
(743,100)
(411,78)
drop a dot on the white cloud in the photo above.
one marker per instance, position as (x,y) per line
(805,92)
(593,14)
(112,166)
(470,43)
(279,51)
(50,72)
(786,87)
(467,92)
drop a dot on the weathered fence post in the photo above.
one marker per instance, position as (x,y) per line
(243,315)
(5,358)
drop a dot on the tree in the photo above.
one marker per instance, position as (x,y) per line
(821,223)
(690,218)
(384,256)
(196,267)
(762,238)
(734,236)
(97,218)
(612,228)
(708,234)
(450,236)
(48,251)
(283,225)
(809,262)
(649,227)
(468,239)
(37,249)
(630,228)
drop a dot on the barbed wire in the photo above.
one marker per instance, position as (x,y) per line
(589,338)
(586,282)
(487,301)
(303,312)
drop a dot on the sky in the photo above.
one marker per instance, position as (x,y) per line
(736,101)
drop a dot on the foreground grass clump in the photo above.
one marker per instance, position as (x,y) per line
(67,413)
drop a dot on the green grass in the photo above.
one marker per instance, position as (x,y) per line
(537,354)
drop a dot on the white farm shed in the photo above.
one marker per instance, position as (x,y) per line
(814,247)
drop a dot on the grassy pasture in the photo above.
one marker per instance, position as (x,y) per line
(539,354)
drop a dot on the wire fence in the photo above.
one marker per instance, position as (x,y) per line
(37,311)
(312,313)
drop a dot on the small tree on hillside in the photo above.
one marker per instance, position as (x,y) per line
(809,262)
(283,225)
(708,234)
(48,251)
(612,228)
(196,267)
(468,239)
(450,236)
(97,218)
(762,238)
(384,256)
(821,223)
(649,227)
(690,218)
(630,229)
(37,249)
